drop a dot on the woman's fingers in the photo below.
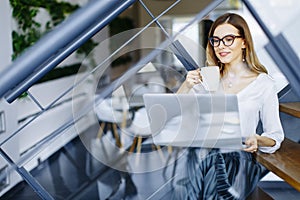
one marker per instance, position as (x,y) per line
(193,77)
(251,144)
(251,149)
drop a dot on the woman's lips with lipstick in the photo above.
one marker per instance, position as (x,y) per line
(223,54)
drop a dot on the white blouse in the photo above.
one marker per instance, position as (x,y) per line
(259,101)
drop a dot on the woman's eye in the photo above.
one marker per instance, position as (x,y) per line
(228,39)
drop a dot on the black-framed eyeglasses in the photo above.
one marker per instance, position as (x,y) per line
(227,40)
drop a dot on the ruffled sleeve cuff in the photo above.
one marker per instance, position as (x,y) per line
(278,140)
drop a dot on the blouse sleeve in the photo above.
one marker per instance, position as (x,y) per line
(269,114)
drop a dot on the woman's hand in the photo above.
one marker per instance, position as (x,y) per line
(251,144)
(193,78)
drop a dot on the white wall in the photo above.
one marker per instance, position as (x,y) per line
(11,147)
(5,34)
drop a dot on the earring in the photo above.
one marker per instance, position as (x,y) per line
(244,55)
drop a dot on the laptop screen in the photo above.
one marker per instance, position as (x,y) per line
(197,120)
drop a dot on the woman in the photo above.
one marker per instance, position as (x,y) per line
(234,175)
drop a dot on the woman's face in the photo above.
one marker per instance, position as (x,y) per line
(232,53)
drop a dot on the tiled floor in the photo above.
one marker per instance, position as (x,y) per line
(72,173)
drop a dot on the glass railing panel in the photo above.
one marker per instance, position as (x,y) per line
(135,76)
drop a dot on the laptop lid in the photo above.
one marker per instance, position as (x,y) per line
(194,120)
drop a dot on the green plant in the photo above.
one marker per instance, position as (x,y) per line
(30,30)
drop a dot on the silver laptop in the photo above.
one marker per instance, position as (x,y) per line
(194,120)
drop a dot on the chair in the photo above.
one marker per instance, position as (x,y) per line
(140,126)
(110,117)
(141,130)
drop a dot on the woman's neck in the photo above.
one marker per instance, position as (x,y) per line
(238,69)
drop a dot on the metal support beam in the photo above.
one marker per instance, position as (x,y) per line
(27,177)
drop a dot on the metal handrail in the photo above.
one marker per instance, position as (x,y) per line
(54,47)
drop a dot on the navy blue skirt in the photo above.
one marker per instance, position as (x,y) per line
(212,174)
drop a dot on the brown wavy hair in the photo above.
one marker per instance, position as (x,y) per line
(249,54)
